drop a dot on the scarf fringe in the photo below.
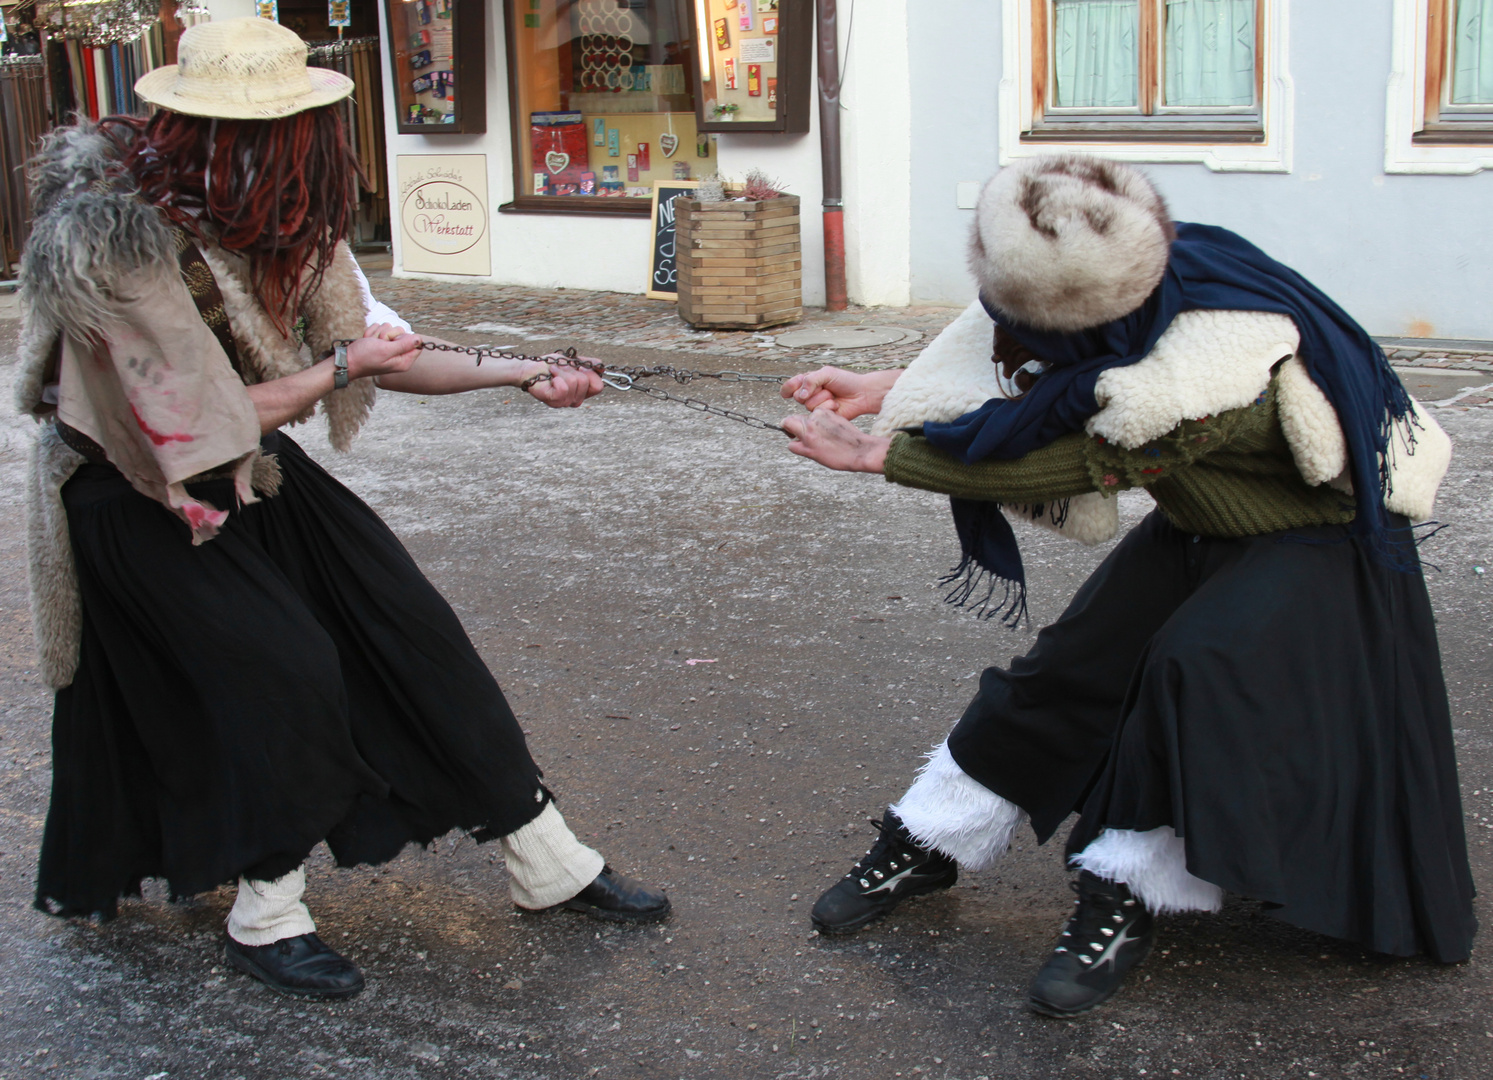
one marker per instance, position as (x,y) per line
(969,577)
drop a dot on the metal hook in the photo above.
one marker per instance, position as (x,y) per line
(617,381)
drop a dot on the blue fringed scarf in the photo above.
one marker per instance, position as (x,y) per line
(1209,268)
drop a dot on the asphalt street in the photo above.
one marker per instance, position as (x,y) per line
(726,659)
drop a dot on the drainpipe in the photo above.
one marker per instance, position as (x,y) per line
(829,155)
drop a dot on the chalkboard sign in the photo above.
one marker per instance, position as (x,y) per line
(663,271)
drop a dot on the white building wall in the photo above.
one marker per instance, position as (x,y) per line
(1406,255)
(611,253)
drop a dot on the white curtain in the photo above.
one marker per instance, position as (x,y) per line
(1210,52)
(1472,53)
(1095,60)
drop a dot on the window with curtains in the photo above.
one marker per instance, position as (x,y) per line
(1147,70)
(1459,72)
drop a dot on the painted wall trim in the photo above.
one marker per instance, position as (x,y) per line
(1405,107)
(1274,155)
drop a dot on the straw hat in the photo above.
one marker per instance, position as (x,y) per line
(242,69)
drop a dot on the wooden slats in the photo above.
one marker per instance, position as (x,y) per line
(740,263)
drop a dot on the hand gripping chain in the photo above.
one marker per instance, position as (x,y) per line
(625,378)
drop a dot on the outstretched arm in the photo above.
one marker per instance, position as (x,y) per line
(1056,471)
(850,393)
(436,372)
(279,401)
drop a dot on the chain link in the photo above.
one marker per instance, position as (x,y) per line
(569,358)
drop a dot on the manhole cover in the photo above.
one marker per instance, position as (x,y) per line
(847,337)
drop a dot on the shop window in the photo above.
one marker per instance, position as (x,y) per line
(1141,70)
(439,66)
(1458,73)
(603,103)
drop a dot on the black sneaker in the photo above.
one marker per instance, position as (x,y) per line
(1110,933)
(896,867)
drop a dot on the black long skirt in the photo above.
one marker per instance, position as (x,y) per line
(1276,700)
(294,679)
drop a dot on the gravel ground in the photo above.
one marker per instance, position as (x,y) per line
(593,554)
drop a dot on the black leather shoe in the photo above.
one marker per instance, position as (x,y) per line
(895,868)
(301,965)
(619,899)
(1109,933)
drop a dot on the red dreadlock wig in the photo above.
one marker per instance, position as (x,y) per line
(279,192)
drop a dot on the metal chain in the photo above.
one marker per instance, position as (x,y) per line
(623,377)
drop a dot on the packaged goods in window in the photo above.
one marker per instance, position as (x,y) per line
(769,24)
(622,67)
(744,21)
(730,73)
(722,34)
(425,63)
(557,142)
(754,80)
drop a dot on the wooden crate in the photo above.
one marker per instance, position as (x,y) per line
(740,263)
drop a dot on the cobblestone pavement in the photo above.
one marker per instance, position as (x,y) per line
(725,659)
(512,315)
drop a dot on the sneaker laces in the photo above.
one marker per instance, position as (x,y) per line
(884,849)
(1103,910)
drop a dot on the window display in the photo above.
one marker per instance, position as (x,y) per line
(602,94)
(438,65)
(744,57)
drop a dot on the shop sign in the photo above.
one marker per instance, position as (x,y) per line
(443,214)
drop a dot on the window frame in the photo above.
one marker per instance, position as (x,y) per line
(1417,139)
(1267,147)
(1443,123)
(1150,119)
(519,131)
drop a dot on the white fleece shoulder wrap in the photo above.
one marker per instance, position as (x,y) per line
(1207,362)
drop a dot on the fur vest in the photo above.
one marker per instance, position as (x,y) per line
(88,231)
(1206,362)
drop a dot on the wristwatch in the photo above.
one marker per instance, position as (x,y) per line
(339,366)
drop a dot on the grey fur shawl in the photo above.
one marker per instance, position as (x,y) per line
(87,233)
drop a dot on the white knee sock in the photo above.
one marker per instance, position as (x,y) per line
(1154,865)
(546,863)
(947,810)
(268,911)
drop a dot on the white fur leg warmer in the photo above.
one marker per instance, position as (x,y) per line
(947,810)
(270,911)
(1154,865)
(546,863)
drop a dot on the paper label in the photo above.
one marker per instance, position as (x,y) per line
(762,50)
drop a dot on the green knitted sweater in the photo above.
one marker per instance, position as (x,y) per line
(1226,475)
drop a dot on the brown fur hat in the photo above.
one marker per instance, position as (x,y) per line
(1069,241)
